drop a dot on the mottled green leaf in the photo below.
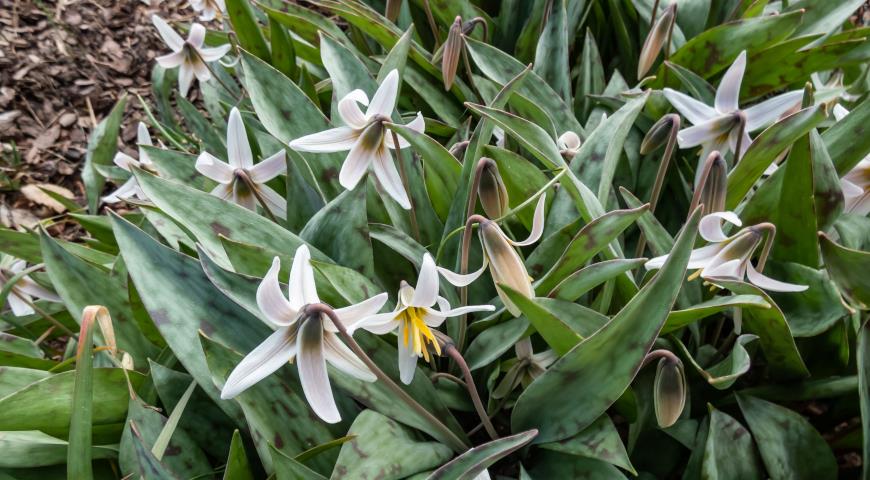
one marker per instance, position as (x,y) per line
(678,319)
(246,28)
(468,465)
(729,451)
(848,268)
(102,145)
(600,441)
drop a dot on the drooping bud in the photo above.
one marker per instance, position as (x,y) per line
(569,144)
(656,38)
(451,53)
(660,133)
(492,191)
(506,266)
(669,391)
(713,185)
(458,149)
(394,7)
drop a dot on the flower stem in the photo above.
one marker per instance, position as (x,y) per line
(456,443)
(415,228)
(466,246)
(660,180)
(450,349)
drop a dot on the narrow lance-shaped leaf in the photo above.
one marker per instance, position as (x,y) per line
(101,151)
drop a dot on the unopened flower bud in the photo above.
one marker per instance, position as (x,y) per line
(656,38)
(569,144)
(669,391)
(713,185)
(451,53)
(660,132)
(492,191)
(506,266)
(393,8)
(458,149)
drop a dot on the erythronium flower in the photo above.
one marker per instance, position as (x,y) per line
(569,144)
(730,257)
(529,366)
(208,9)
(505,264)
(131,188)
(365,135)
(240,180)
(856,183)
(719,127)
(24,290)
(414,318)
(309,340)
(189,55)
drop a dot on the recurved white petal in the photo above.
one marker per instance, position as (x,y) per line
(384,99)
(122,160)
(731,270)
(185,78)
(444,309)
(29,287)
(348,109)
(569,141)
(418,124)
(276,203)
(214,168)
(333,140)
(705,132)
(768,111)
(196,36)
(728,93)
(171,60)
(311,364)
(210,54)
(462,280)
(694,110)
(268,168)
(353,315)
(238,148)
(710,226)
(271,300)
(169,36)
(537,224)
(766,283)
(301,287)
(19,306)
(128,189)
(278,349)
(343,358)
(426,291)
(840,112)
(386,173)
(380,324)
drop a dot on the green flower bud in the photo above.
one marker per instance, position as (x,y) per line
(660,132)
(669,391)
(492,191)
(452,52)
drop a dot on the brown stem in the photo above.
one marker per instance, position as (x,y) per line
(451,350)
(463,269)
(660,353)
(432,25)
(321,308)
(768,243)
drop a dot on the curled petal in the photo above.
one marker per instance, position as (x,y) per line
(143,138)
(213,168)
(537,224)
(695,111)
(171,60)
(460,279)
(185,78)
(333,140)
(710,227)
(380,323)
(271,300)
(211,54)
(728,93)
(446,311)
(301,287)
(200,70)
(709,131)
(729,270)
(124,161)
(238,148)
(407,359)
(269,356)
(348,109)
(196,36)
(569,141)
(127,190)
(768,111)
(384,98)
(385,171)
(426,291)
(311,364)
(276,203)
(169,36)
(352,316)
(268,168)
(760,280)
(418,124)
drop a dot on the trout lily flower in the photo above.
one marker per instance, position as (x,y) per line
(505,264)
(25,289)
(569,144)
(366,136)
(730,257)
(130,188)
(208,9)
(190,56)
(310,341)
(414,318)
(725,125)
(856,183)
(240,180)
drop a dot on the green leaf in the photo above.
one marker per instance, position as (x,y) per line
(494,341)
(101,150)
(560,407)
(471,463)
(848,268)
(237,462)
(551,55)
(729,451)
(600,441)
(149,467)
(178,166)
(823,17)
(816,309)
(766,147)
(28,449)
(384,449)
(590,80)
(550,464)
(21,245)
(286,468)
(693,84)
(283,52)
(340,229)
(247,30)
(863,362)
(559,336)
(82,414)
(587,278)
(789,445)
(848,141)
(795,215)
(678,319)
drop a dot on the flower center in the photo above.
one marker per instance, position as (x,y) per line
(416,332)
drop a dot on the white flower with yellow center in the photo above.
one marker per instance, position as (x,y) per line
(730,257)
(505,264)
(25,289)
(414,318)
(130,188)
(190,56)
(240,180)
(208,9)
(310,341)
(856,183)
(718,128)
(366,136)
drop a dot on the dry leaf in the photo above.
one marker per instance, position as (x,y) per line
(35,193)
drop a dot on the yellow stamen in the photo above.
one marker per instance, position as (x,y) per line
(695,275)
(416,332)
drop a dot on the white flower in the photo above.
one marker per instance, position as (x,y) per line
(208,9)
(189,55)
(414,316)
(729,257)
(310,341)
(856,183)
(365,135)
(131,188)
(569,144)
(719,127)
(505,264)
(240,180)
(24,290)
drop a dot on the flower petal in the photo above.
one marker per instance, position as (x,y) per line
(268,168)
(301,287)
(348,109)
(537,224)
(386,173)
(276,203)
(200,70)
(243,196)
(730,270)
(452,312)
(384,99)
(840,112)
(29,287)
(125,191)
(694,110)
(143,138)
(169,36)
(705,132)
(523,348)
(19,307)
(728,93)
(343,358)
(196,36)
(185,78)
(710,226)
(271,300)
(333,140)
(426,291)
(278,349)
(418,124)
(214,53)
(460,279)
(569,141)
(352,316)
(380,324)
(171,60)
(124,161)
(224,191)
(760,280)
(407,359)
(214,168)
(238,148)
(768,111)
(311,363)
